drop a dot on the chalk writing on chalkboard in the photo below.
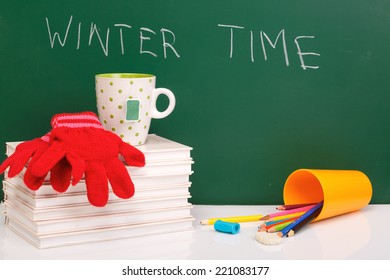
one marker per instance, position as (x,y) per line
(168,37)
(263,36)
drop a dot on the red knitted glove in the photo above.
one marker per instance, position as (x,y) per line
(91,150)
(23,153)
(28,153)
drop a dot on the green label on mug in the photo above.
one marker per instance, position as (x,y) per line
(132,110)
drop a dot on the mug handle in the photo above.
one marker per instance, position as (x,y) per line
(156,114)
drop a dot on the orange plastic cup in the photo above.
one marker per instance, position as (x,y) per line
(342,191)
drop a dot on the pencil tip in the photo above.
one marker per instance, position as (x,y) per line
(290,233)
(264,218)
(204,222)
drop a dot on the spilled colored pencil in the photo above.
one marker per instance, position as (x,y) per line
(310,218)
(234,219)
(278,218)
(269,226)
(279,227)
(268,223)
(302,219)
(286,212)
(293,206)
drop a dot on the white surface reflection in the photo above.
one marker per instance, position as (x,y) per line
(358,235)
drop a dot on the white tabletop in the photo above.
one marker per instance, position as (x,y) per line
(359,235)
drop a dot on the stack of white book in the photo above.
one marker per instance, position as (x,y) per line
(160,205)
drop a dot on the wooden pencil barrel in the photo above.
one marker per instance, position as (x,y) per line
(342,191)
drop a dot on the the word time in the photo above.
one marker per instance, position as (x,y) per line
(266,43)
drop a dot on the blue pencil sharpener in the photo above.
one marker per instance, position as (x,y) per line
(227,227)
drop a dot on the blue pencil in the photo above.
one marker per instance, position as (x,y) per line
(303,223)
(300,219)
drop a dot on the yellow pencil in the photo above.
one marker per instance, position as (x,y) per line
(278,218)
(234,219)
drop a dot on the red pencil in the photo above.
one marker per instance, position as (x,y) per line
(267,227)
(286,212)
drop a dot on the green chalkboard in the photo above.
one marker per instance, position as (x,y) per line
(263,87)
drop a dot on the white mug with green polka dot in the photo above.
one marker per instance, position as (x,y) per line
(126,104)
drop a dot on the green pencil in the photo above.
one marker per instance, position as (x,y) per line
(280,226)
